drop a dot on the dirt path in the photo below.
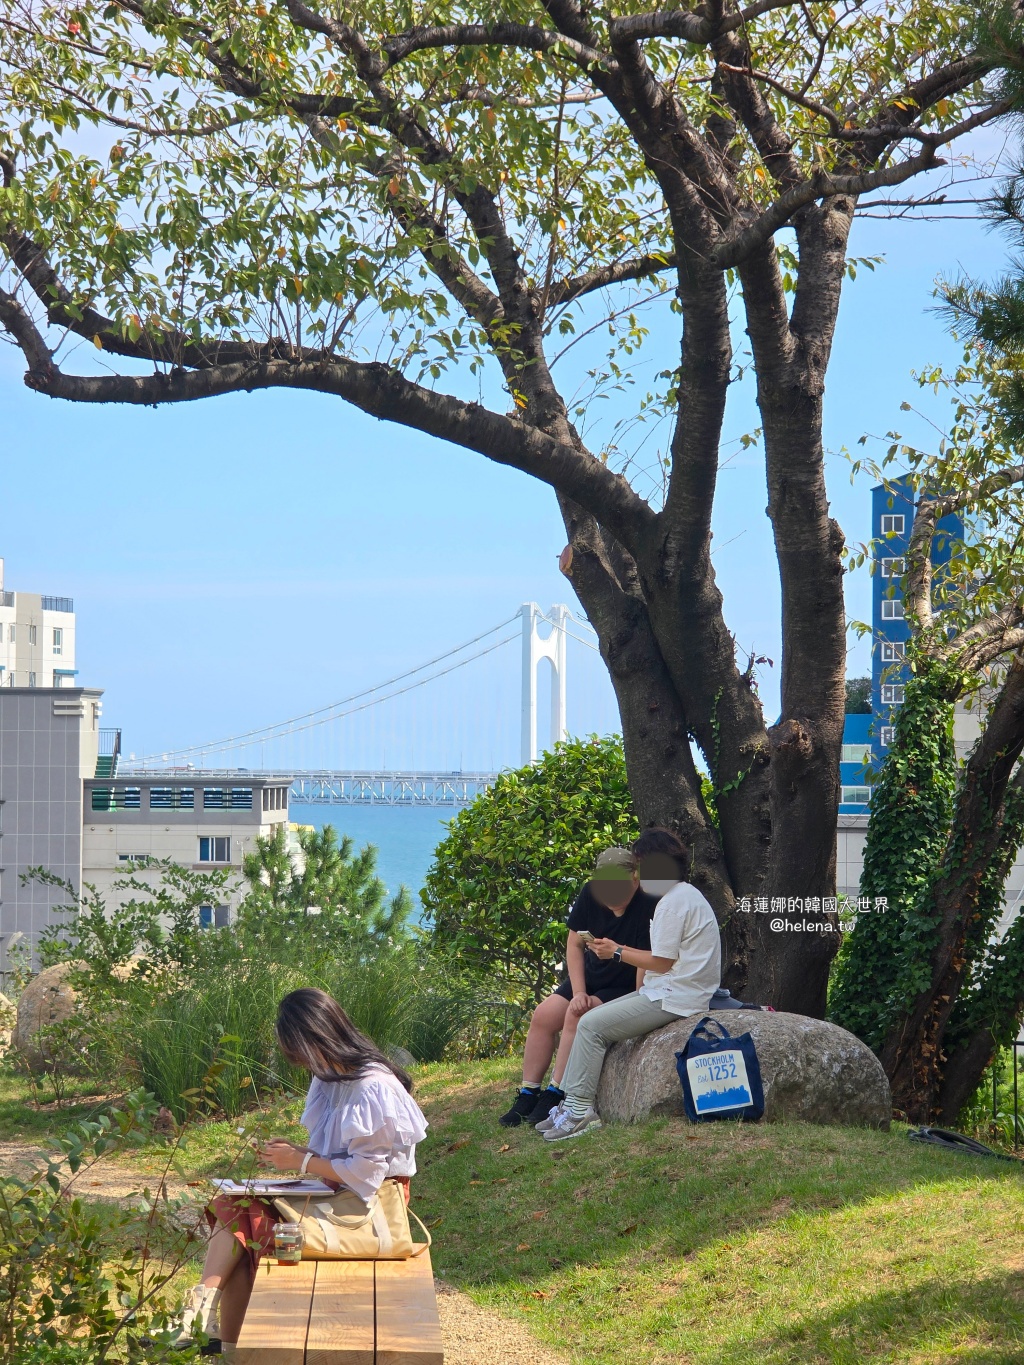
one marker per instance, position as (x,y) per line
(472,1335)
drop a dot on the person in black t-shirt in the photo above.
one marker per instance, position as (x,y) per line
(611,905)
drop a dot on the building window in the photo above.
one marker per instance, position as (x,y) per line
(227,798)
(205,916)
(12,632)
(31,680)
(892,609)
(885,735)
(214,849)
(856,753)
(856,796)
(172,798)
(133,857)
(892,568)
(221,916)
(892,694)
(32,635)
(893,526)
(893,652)
(275,798)
(117,798)
(58,640)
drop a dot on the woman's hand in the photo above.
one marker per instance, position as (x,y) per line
(282,1155)
(604,947)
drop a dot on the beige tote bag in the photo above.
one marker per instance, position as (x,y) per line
(341,1227)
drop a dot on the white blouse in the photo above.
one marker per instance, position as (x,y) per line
(367,1129)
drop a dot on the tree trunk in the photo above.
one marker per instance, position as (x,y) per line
(912,1054)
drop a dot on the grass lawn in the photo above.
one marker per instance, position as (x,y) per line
(710,1245)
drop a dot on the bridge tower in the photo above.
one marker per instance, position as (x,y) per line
(536,648)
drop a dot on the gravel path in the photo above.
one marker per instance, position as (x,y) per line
(472,1335)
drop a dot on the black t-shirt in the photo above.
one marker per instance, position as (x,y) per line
(632,929)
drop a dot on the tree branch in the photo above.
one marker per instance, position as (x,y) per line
(375,389)
(637,268)
(681,24)
(733,249)
(526,36)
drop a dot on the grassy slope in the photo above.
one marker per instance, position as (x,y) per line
(716,1245)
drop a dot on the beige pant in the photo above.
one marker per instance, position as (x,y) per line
(631,1016)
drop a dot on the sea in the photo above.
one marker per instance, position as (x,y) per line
(405,837)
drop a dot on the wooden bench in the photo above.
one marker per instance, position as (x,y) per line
(342,1313)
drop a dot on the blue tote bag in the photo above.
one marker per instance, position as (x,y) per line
(720,1074)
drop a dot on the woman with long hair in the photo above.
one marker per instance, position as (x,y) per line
(363,1129)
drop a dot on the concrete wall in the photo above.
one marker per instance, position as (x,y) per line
(48,743)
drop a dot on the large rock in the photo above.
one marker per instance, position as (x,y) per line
(811,1070)
(7,1017)
(47,1000)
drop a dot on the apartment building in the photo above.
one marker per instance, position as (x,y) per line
(37,639)
(203,820)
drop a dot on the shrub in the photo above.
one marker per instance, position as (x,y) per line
(77,1282)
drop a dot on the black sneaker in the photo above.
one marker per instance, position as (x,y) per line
(546,1101)
(522,1105)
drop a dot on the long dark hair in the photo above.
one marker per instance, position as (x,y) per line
(314,1032)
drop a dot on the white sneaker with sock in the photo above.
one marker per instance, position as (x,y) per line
(202,1307)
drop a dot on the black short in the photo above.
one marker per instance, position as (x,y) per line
(608,993)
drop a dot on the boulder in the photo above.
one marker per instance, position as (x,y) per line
(401,1056)
(812,1070)
(47,1000)
(7,1017)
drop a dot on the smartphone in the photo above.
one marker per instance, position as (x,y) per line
(587,937)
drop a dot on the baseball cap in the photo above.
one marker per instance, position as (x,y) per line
(614,864)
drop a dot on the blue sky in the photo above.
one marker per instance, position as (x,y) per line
(242,560)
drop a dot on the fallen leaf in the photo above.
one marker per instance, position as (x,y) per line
(630,1227)
(523,1246)
(506,1148)
(541,1213)
(95,1182)
(501,1180)
(692,1137)
(476,1182)
(540,1293)
(462,1142)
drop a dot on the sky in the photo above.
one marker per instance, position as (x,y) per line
(246,559)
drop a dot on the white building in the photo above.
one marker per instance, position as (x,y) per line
(201,820)
(37,639)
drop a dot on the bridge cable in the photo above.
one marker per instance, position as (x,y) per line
(265,732)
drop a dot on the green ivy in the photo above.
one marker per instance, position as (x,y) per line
(885,960)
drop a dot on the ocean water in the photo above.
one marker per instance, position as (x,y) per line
(405,836)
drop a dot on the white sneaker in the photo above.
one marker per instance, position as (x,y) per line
(199,1311)
(566,1126)
(547,1124)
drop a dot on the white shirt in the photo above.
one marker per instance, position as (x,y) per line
(684,929)
(367,1129)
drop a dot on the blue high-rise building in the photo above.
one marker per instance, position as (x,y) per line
(866,737)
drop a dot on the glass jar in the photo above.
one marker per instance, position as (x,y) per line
(288,1242)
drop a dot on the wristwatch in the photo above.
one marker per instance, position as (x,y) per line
(617,955)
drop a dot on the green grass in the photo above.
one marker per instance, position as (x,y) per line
(718,1244)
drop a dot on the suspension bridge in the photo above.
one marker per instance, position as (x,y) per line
(479,718)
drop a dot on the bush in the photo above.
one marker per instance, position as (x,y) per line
(502,882)
(77,1282)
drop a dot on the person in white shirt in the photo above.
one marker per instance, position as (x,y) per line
(363,1129)
(681,972)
